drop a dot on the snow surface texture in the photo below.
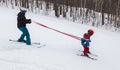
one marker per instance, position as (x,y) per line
(60,52)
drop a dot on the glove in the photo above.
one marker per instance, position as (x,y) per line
(29,21)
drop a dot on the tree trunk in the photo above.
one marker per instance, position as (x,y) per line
(56,8)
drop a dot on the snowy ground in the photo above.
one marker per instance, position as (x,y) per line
(60,50)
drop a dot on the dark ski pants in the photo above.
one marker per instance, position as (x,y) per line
(25,33)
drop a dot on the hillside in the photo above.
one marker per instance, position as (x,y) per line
(60,52)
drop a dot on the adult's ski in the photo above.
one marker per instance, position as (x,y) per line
(35,44)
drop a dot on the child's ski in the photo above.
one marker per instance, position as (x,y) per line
(92,54)
(87,56)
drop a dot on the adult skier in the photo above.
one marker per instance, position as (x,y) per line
(85,41)
(21,24)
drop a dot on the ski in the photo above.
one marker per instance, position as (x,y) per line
(87,56)
(92,54)
(37,46)
(37,43)
(34,44)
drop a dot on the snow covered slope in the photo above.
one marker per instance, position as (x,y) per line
(60,50)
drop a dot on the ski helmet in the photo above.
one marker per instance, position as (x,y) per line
(90,32)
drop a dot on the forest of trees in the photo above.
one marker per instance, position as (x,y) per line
(97,12)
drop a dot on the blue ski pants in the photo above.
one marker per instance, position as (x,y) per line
(25,33)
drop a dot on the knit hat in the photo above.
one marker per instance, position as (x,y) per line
(23,11)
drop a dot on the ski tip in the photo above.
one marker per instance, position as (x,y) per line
(87,56)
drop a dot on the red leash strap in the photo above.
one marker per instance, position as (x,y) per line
(73,36)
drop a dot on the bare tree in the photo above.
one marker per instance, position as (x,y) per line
(56,8)
(77,9)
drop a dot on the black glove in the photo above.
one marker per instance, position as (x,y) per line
(29,21)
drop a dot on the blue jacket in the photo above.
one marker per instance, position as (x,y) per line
(85,42)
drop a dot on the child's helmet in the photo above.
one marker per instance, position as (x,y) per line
(90,32)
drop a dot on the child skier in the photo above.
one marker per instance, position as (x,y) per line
(21,24)
(85,41)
